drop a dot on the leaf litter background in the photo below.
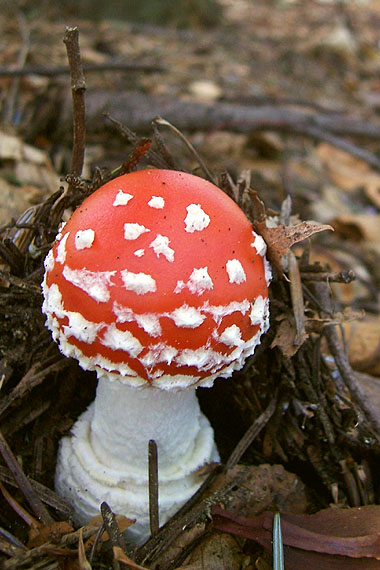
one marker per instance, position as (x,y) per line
(279,96)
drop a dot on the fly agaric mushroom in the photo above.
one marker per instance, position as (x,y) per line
(159,284)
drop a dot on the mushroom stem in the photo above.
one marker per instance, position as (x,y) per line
(172,418)
(100,462)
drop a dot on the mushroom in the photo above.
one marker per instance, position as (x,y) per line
(157,283)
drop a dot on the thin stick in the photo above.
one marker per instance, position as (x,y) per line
(345,276)
(153,488)
(96,542)
(78,88)
(322,292)
(297,299)
(163,122)
(164,151)
(252,432)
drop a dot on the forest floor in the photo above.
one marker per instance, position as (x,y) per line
(279,96)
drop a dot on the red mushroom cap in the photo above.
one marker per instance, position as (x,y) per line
(158,278)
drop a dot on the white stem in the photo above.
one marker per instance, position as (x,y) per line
(107,457)
(126,418)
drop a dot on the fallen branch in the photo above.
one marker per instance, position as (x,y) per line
(138,110)
(54,71)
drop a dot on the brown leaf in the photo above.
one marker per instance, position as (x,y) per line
(358,227)
(216,551)
(47,534)
(120,556)
(336,531)
(341,534)
(285,337)
(189,535)
(280,239)
(363,344)
(262,487)
(299,560)
(345,170)
(82,559)
(349,172)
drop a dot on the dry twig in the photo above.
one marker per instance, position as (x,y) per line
(321,290)
(78,87)
(153,488)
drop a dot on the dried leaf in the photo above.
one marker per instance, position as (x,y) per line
(341,534)
(347,316)
(185,539)
(47,534)
(359,227)
(280,239)
(82,559)
(120,556)
(215,552)
(349,172)
(285,337)
(345,170)
(263,487)
(363,344)
(262,564)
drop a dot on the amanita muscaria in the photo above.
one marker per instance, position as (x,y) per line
(159,284)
